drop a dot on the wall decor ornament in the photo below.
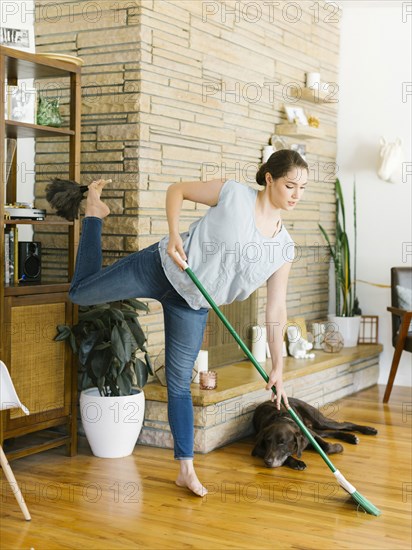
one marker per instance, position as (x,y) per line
(296,115)
(17,38)
(391,158)
(369,329)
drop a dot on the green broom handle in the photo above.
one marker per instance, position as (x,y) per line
(261,371)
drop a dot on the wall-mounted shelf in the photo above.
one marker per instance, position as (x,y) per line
(298,131)
(15,129)
(312,95)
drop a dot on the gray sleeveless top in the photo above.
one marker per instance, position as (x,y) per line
(226,250)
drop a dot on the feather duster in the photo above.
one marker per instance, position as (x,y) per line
(65,197)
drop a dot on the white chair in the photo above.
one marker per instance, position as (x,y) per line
(10,400)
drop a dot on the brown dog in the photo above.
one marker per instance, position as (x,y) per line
(279,437)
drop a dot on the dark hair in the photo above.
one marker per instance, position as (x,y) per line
(279,164)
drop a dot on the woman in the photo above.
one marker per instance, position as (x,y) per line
(239,244)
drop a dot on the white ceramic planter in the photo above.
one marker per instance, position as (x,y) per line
(347,326)
(112,424)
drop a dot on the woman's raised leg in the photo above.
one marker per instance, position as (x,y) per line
(138,275)
(89,254)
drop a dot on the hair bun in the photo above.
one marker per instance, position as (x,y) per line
(260,176)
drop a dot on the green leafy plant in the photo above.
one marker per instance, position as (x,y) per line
(106,339)
(347,303)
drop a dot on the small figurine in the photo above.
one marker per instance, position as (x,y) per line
(298,346)
(313,121)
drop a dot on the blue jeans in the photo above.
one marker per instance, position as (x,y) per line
(141,275)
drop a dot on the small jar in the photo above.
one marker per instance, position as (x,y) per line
(208,380)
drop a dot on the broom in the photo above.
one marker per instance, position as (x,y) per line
(357,497)
(65,197)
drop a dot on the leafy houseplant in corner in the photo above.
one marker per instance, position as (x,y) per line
(106,339)
(348,313)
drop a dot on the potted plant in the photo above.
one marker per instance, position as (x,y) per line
(347,317)
(106,339)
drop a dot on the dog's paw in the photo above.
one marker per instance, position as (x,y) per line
(300,465)
(294,463)
(352,438)
(335,448)
(370,431)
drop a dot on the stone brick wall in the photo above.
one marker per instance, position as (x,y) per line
(182,90)
(109,45)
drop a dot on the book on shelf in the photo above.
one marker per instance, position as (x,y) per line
(15,232)
(11,256)
(11,252)
(10,146)
(6,259)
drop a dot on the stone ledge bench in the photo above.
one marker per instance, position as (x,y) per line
(225,414)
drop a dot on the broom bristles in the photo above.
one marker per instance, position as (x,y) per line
(365,504)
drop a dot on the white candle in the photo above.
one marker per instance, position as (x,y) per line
(267,152)
(259,343)
(312,79)
(201,364)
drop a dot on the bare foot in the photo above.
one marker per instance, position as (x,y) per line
(94,205)
(187,478)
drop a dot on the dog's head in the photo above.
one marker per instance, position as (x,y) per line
(277,441)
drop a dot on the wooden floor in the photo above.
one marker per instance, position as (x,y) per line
(87,502)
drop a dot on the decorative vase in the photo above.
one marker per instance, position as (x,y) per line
(347,326)
(48,113)
(112,424)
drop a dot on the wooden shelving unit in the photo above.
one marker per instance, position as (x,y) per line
(42,370)
(31,290)
(37,222)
